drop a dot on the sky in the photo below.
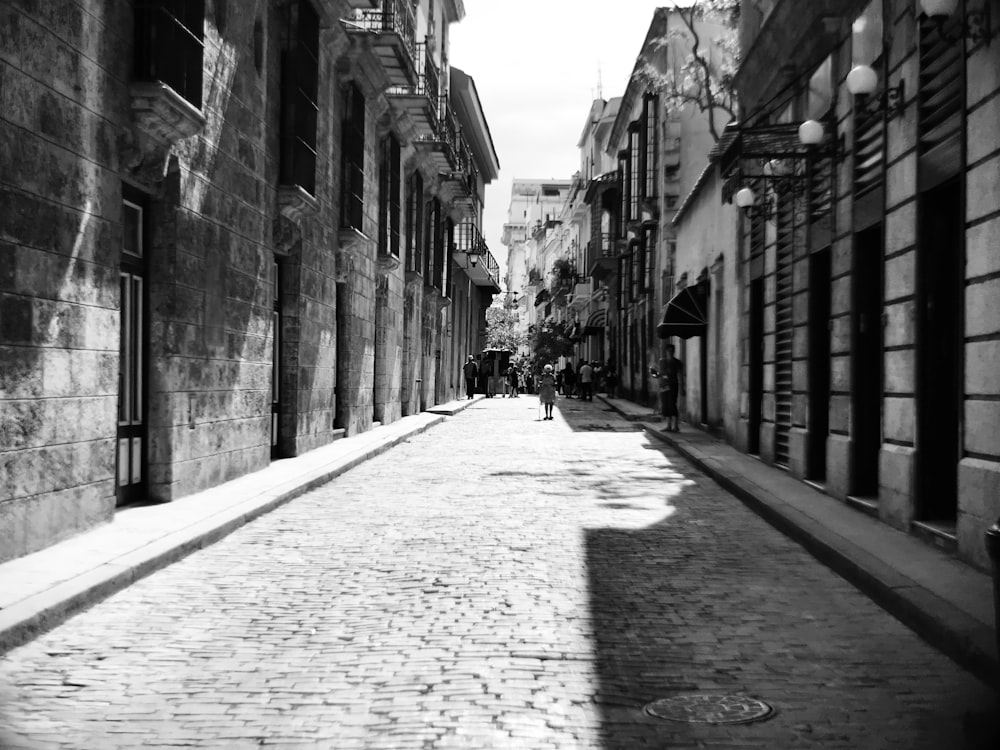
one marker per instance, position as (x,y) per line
(538,65)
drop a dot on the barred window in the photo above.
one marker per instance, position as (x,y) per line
(635,275)
(300,84)
(650,145)
(169,44)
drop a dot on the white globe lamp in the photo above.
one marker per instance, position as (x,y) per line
(862,80)
(745,197)
(811,133)
(936,8)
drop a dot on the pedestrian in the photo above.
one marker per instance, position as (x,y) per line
(569,380)
(610,380)
(547,390)
(529,380)
(513,380)
(670,373)
(486,376)
(586,373)
(471,371)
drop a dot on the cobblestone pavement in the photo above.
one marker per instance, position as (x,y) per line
(498,582)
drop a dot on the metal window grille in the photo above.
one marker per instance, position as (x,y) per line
(634,169)
(169,44)
(651,139)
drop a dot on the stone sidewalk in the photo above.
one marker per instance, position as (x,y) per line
(42,589)
(949,603)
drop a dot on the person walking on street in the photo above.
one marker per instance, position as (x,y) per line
(586,373)
(512,380)
(547,390)
(471,371)
(671,376)
(569,380)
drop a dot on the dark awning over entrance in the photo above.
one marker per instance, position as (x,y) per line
(686,314)
(596,322)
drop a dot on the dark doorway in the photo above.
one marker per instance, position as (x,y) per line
(867,370)
(755,345)
(276,361)
(939,352)
(132,433)
(819,362)
(705,294)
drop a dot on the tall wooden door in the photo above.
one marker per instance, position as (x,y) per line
(134,333)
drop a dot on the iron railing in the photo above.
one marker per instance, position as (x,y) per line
(394,17)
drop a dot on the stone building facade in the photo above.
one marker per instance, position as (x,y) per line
(871,328)
(227,236)
(633,207)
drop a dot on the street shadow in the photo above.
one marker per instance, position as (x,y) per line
(709,601)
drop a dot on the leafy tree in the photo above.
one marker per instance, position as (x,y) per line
(564,278)
(550,339)
(502,329)
(691,71)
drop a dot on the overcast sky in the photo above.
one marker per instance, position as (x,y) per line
(538,65)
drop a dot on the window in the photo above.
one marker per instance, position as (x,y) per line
(623,266)
(388,196)
(625,203)
(169,44)
(649,261)
(866,35)
(352,206)
(819,97)
(414,222)
(635,166)
(431,244)
(650,145)
(635,274)
(449,248)
(300,83)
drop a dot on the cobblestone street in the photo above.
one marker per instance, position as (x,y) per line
(497,582)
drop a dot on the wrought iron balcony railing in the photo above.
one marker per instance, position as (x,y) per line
(392,17)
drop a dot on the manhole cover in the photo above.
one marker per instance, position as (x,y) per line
(710,709)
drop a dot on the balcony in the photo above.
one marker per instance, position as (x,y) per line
(420,99)
(442,143)
(459,184)
(394,38)
(582,293)
(468,239)
(602,256)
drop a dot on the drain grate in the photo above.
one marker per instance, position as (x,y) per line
(697,708)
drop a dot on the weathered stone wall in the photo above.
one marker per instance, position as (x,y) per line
(706,239)
(979,469)
(63,110)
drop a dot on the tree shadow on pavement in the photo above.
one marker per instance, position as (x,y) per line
(712,600)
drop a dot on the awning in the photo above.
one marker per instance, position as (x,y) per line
(543,296)
(686,314)
(596,322)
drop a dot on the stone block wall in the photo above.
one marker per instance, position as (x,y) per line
(62,114)
(979,469)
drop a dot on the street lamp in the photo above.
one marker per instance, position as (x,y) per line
(976,26)
(811,133)
(862,82)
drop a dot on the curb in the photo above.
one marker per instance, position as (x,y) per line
(942,625)
(36,614)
